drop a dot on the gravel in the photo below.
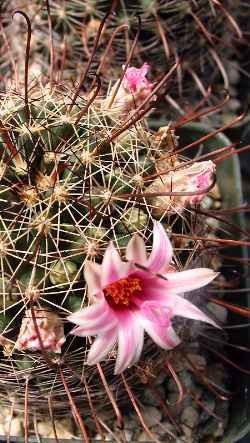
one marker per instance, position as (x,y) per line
(194,423)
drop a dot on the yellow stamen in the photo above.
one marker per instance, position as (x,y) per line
(121,291)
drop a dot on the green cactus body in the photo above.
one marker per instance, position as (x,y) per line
(61,200)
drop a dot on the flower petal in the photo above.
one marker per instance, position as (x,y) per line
(93,319)
(130,341)
(161,251)
(136,250)
(92,275)
(156,312)
(162,336)
(173,336)
(139,346)
(102,346)
(89,313)
(186,309)
(102,326)
(113,268)
(184,281)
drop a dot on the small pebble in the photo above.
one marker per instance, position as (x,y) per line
(206,202)
(217,373)
(198,361)
(209,401)
(64,429)
(4,412)
(128,435)
(233,104)
(160,379)
(208,440)
(233,72)
(190,417)
(150,399)
(152,416)
(2,429)
(187,431)
(171,402)
(198,391)
(185,378)
(164,428)
(145,437)
(130,422)
(213,223)
(107,437)
(220,430)
(15,428)
(209,428)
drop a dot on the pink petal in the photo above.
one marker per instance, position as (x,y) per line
(162,336)
(156,313)
(161,251)
(144,69)
(113,268)
(186,309)
(139,346)
(153,290)
(92,275)
(136,250)
(101,327)
(102,346)
(135,77)
(89,313)
(173,336)
(130,341)
(93,319)
(179,282)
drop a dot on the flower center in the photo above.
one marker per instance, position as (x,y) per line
(121,291)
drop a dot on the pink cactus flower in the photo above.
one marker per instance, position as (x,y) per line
(129,299)
(135,79)
(133,89)
(51,331)
(194,178)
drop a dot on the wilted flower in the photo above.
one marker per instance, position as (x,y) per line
(129,299)
(50,328)
(133,89)
(194,179)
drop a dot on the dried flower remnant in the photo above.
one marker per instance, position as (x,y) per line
(7,345)
(193,179)
(134,88)
(50,328)
(129,299)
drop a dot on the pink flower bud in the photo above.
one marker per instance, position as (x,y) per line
(135,79)
(133,89)
(200,176)
(50,329)
(193,179)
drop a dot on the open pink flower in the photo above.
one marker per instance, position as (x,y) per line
(50,328)
(134,88)
(130,299)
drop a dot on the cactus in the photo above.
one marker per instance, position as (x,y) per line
(71,182)
(196,33)
(80,170)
